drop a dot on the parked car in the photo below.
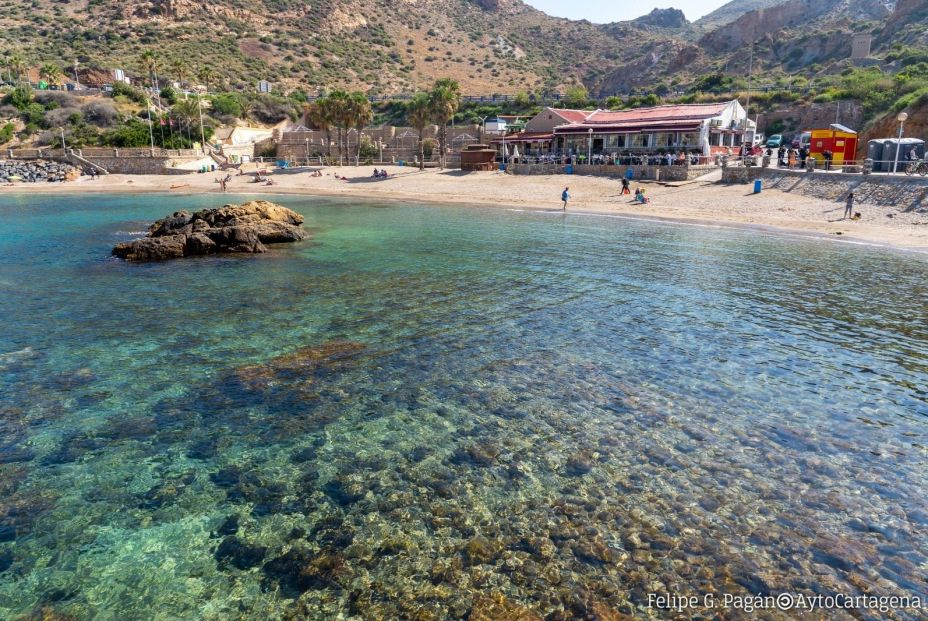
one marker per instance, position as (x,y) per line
(775,141)
(803,140)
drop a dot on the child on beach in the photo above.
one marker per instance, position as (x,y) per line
(565,196)
(640,197)
(849,205)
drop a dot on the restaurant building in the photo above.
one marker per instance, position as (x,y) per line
(704,128)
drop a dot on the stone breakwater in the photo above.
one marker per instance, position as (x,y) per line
(231,228)
(36,170)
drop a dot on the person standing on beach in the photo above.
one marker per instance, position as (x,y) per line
(565,196)
(849,206)
(625,189)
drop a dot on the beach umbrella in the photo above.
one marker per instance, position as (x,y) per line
(515,150)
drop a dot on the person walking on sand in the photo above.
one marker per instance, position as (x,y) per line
(565,196)
(849,206)
(625,189)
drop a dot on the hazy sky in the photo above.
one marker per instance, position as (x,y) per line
(605,11)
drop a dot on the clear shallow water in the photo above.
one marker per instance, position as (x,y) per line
(436,413)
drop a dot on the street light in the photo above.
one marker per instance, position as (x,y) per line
(589,147)
(63,147)
(901,117)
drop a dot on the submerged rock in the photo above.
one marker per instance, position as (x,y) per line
(232,228)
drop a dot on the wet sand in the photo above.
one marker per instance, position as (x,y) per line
(702,201)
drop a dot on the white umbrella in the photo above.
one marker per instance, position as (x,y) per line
(515,151)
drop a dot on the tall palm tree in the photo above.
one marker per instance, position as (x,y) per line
(446,99)
(339,113)
(150,63)
(419,114)
(180,71)
(206,75)
(16,65)
(360,113)
(51,73)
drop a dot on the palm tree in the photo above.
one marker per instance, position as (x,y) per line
(360,113)
(15,64)
(18,66)
(150,63)
(180,70)
(339,114)
(318,114)
(206,75)
(247,104)
(186,111)
(51,73)
(445,99)
(419,114)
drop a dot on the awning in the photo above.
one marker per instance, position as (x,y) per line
(526,137)
(629,128)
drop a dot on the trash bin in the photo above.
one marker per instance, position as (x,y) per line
(569,169)
(502,167)
(757,185)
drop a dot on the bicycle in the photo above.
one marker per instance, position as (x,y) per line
(917,166)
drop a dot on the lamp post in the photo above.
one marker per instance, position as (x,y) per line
(63,146)
(589,147)
(901,117)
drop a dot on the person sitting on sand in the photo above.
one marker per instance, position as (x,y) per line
(640,197)
(269,182)
(376,174)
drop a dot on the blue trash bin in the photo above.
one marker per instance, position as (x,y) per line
(569,169)
(757,185)
(502,167)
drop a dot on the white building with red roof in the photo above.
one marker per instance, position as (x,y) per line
(703,128)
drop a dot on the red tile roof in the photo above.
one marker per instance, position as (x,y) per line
(572,116)
(658,113)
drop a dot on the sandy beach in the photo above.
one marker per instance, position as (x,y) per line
(702,201)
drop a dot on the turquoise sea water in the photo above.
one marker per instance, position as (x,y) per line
(436,413)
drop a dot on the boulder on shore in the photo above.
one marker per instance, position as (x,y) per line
(231,228)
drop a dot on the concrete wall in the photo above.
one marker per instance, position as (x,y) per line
(903,193)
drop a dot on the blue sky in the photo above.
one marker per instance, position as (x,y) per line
(603,11)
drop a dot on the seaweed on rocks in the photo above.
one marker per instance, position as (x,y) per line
(239,554)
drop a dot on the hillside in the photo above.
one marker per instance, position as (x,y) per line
(388,47)
(728,13)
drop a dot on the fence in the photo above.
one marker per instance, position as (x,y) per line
(42,153)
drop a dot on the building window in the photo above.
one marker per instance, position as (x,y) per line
(612,141)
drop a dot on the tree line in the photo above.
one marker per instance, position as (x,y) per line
(343,111)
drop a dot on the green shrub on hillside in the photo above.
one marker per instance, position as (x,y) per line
(6,133)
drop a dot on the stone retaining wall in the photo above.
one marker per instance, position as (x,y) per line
(139,165)
(903,193)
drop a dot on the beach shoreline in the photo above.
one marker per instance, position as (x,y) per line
(700,203)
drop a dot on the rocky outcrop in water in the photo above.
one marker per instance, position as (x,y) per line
(231,228)
(36,170)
